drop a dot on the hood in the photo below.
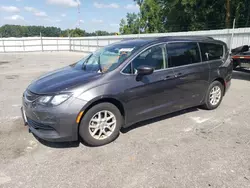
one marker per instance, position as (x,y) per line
(61,80)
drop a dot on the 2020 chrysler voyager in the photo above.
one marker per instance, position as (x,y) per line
(124,83)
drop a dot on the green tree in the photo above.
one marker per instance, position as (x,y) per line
(190,15)
(152,20)
(131,25)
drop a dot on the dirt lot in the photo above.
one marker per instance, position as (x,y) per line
(192,148)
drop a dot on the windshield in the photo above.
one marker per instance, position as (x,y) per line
(108,58)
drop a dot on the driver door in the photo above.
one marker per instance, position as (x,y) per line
(153,94)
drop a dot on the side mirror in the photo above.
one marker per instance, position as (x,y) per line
(144,70)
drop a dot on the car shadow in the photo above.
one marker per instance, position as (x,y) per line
(160,118)
(241,74)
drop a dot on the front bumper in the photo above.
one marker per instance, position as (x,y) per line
(55,124)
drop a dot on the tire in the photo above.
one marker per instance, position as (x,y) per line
(91,119)
(208,104)
(235,65)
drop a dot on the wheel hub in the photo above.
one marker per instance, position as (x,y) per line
(102,125)
(215,95)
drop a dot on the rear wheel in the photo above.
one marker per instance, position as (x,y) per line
(214,95)
(101,124)
(235,64)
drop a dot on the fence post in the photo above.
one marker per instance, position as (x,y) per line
(23,46)
(3,46)
(88,45)
(97,42)
(57,44)
(41,41)
(69,43)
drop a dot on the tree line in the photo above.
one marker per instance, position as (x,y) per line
(32,31)
(158,16)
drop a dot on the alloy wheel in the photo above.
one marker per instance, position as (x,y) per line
(102,125)
(215,95)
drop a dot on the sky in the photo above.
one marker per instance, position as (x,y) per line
(94,14)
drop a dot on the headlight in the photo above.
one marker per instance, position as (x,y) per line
(44,100)
(58,99)
(53,100)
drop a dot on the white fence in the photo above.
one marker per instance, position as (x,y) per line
(90,44)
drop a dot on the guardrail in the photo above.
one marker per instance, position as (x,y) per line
(90,44)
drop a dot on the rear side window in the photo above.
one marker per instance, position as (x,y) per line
(210,51)
(183,53)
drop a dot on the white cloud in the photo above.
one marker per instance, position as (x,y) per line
(63,15)
(36,12)
(132,7)
(9,9)
(67,3)
(14,17)
(101,5)
(97,21)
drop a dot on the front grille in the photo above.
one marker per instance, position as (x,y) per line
(29,96)
(37,125)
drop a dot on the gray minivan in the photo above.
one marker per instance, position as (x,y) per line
(125,83)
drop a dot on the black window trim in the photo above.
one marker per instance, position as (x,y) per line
(197,43)
(166,50)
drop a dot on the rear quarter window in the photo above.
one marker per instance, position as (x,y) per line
(211,51)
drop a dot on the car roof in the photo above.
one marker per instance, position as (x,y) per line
(148,41)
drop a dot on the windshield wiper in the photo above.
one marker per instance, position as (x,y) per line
(99,64)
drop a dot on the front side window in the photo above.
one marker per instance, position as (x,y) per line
(183,53)
(152,57)
(210,51)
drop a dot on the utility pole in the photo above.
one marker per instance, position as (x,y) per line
(228,13)
(78,22)
(139,31)
(232,38)
(79,14)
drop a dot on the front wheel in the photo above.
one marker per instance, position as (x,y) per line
(214,95)
(101,124)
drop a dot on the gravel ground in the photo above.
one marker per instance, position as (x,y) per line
(191,148)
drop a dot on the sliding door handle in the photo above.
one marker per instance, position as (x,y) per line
(168,77)
(179,74)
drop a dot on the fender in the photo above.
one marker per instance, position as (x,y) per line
(105,98)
